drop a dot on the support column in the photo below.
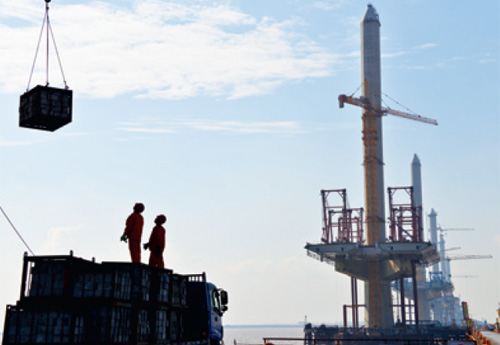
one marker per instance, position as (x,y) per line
(415,292)
(403,306)
(354,297)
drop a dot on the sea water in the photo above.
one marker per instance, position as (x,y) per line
(254,335)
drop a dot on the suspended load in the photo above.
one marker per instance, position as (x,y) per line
(44,107)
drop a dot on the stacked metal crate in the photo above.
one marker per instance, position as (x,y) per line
(68,300)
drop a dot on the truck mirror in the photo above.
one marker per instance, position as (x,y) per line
(223,298)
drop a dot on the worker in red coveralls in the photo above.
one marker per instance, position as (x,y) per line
(156,244)
(133,232)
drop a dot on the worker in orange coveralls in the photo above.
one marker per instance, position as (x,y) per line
(133,232)
(156,244)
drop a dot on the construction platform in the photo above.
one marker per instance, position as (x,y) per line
(396,257)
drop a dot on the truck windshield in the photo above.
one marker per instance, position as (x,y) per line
(216,301)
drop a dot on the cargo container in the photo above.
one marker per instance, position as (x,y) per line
(69,300)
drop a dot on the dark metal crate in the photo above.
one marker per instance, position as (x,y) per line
(42,327)
(45,108)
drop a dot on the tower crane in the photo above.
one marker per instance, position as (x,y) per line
(453,248)
(454,229)
(468,257)
(443,230)
(445,262)
(365,103)
(445,259)
(372,147)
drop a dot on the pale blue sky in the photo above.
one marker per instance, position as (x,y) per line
(223,115)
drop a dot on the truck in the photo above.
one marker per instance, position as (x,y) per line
(69,300)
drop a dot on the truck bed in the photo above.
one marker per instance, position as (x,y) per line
(69,300)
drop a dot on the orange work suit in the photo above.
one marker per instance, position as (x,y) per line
(157,246)
(133,230)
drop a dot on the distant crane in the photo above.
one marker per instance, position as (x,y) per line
(454,229)
(445,259)
(468,257)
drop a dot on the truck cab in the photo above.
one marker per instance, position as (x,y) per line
(205,306)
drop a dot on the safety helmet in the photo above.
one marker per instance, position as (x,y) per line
(160,219)
(139,207)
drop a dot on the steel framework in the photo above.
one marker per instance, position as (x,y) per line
(341,224)
(404,219)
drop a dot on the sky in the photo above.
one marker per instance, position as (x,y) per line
(223,115)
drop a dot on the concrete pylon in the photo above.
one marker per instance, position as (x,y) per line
(416,182)
(434,236)
(377,291)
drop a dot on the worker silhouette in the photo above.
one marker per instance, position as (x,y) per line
(156,244)
(133,232)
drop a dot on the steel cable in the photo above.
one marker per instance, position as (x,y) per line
(57,54)
(46,20)
(36,52)
(17,232)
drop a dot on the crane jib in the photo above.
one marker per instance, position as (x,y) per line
(364,103)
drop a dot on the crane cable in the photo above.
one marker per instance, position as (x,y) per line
(402,106)
(46,21)
(17,232)
(359,87)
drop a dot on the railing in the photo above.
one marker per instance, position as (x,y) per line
(359,340)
